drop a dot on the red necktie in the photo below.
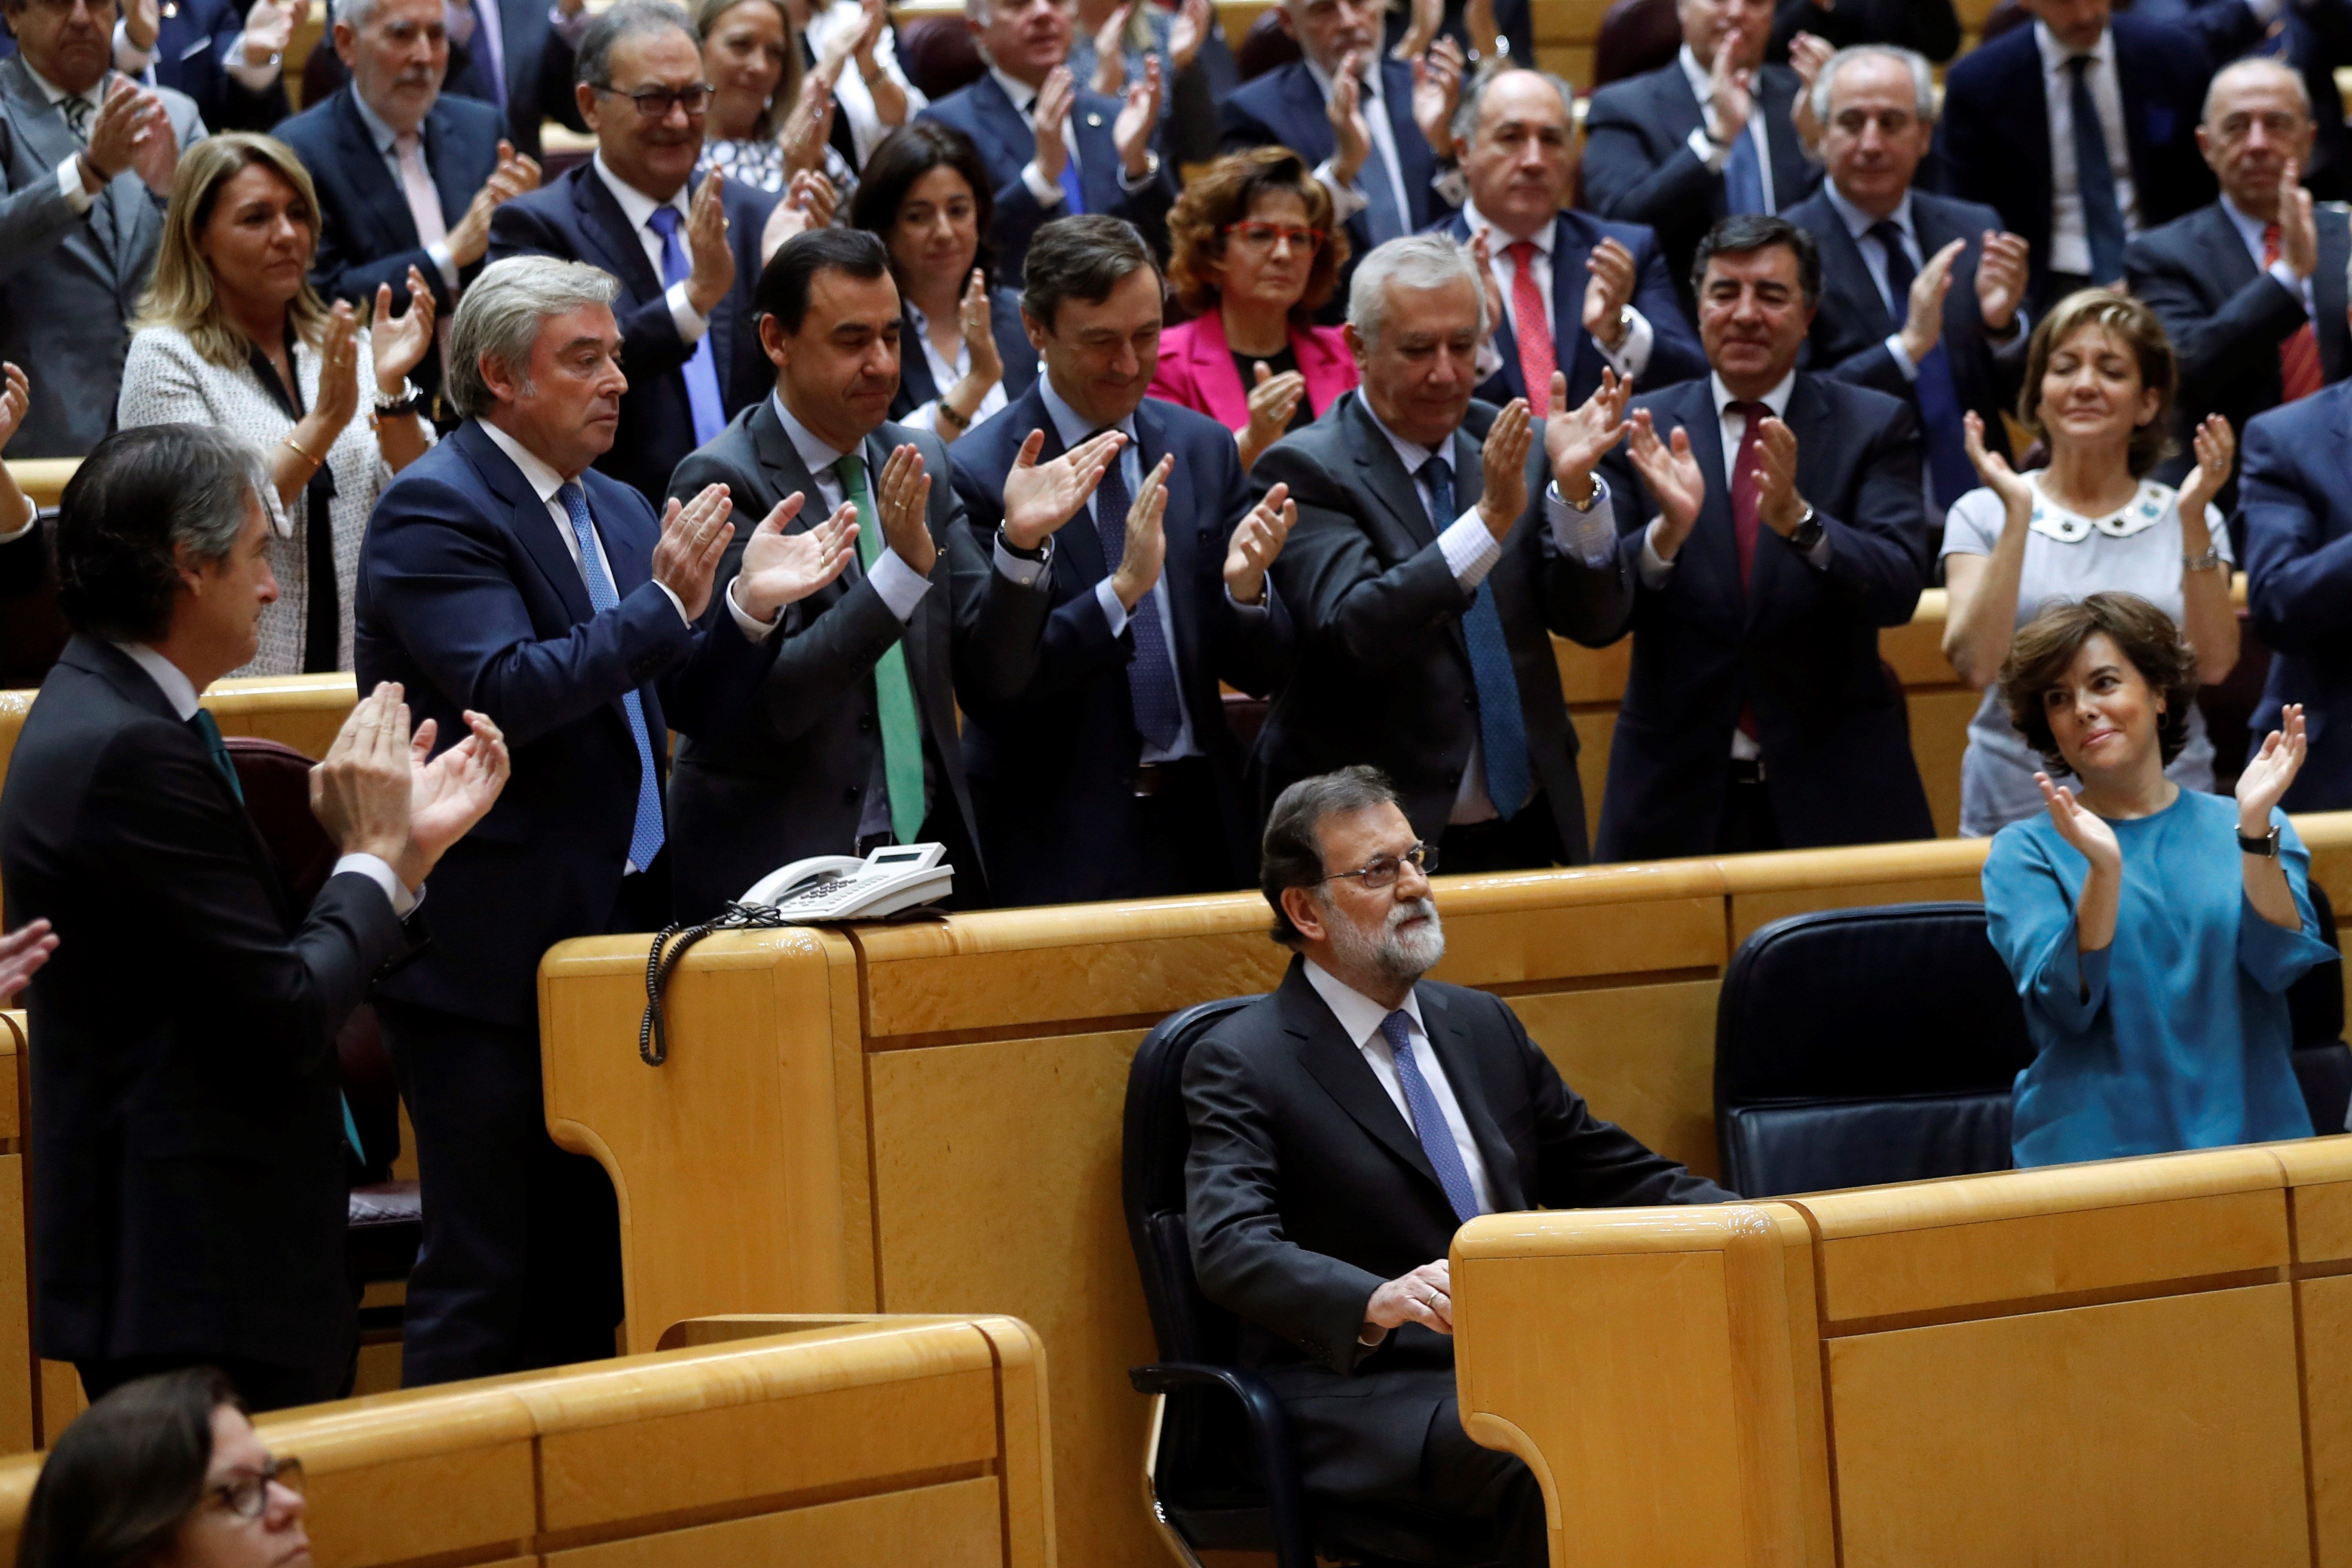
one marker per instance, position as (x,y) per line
(1744,507)
(1535,361)
(2299,371)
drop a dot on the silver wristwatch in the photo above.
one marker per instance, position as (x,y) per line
(2210,562)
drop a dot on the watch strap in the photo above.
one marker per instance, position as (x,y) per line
(2266,845)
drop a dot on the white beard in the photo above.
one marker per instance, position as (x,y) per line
(1401,957)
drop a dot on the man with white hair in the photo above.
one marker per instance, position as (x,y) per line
(1440,541)
(407,176)
(1055,148)
(501,573)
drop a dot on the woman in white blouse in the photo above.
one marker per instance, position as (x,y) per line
(2099,382)
(232,334)
(778,89)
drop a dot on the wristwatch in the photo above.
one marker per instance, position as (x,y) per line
(1807,533)
(2210,562)
(2266,846)
(408,400)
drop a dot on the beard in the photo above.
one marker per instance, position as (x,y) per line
(1398,956)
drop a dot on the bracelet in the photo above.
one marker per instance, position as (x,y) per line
(295,448)
(947,411)
(872,77)
(2210,562)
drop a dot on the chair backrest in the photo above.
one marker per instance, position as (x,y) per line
(2315,1003)
(1267,45)
(938,55)
(1636,36)
(1854,1047)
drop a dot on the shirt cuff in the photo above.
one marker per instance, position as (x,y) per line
(32,518)
(1704,148)
(2012,348)
(1047,192)
(1253,614)
(78,196)
(758,631)
(1901,358)
(571,29)
(1656,569)
(1633,355)
(1818,557)
(1023,571)
(1132,182)
(248,76)
(444,263)
(1470,548)
(901,587)
(1590,536)
(2298,287)
(691,324)
(675,603)
(375,870)
(131,61)
(1113,611)
(1345,200)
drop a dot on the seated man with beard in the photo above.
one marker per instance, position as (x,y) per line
(1424,1105)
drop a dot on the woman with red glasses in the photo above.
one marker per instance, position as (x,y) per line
(1255,256)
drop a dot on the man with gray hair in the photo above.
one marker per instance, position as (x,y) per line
(1921,294)
(501,572)
(1342,1128)
(1440,542)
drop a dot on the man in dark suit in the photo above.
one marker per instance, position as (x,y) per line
(522,56)
(1774,521)
(2023,123)
(1920,293)
(2296,500)
(1110,772)
(186,1102)
(229,60)
(407,176)
(1354,116)
(1572,292)
(1708,135)
(2250,288)
(686,268)
(1439,545)
(1054,147)
(496,571)
(1342,1128)
(2310,38)
(853,744)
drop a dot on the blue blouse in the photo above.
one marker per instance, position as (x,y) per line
(2175,1035)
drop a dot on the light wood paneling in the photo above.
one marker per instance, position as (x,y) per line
(1646,1052)
(42,479)
(952,1526)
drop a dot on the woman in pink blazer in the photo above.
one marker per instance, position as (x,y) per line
(1255,256)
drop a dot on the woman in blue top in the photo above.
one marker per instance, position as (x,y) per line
(2152,931)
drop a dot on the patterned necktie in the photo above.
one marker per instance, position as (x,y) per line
(701,369)
(2095,179)
(208,731)
(2299,371)
(1151,674)
(1428,1121)
(1743,177)
(1502,724)
(645,832)
(894,695)
(1536,356)
(1938,399)
(77,112)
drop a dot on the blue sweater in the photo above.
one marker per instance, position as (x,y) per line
(2175,1035)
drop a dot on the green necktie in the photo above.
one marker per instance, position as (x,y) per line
(218,749)
(902,734)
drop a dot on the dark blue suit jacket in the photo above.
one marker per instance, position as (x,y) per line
(192,41)
(1799,645)
(1052,764)
(1006,144)
(1992,145)
(1283,108)
(916,386)
(575,217)
(539,70)
(1674,354)
(2297,496)
(2311,38)
(468,597)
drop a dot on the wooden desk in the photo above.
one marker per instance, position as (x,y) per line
(2136,1361)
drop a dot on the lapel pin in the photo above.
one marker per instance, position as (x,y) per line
(1094,117)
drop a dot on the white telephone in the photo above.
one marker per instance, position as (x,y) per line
(843,887)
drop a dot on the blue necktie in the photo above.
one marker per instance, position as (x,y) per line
(645,835)
(1151,674)
(1938,399)
(2095,180)
(702,371)
(1428,1121)
(1074,190)
(1377,181)
(1502,727)
(1743,177)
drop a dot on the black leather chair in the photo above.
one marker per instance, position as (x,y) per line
(2315,1003)
(1223,1473)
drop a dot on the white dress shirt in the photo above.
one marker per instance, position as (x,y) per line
(1708,143)
(2250,233)
(1629,359)
(901,587)
(1345,200)
(945,373)
(544,481)
(140,64)
(638,207)
(2069,237)
(1049,192)
(1360,1019)
(78,196)
(386,143)
(181,693)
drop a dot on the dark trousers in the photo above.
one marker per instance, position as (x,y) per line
(1527,841)
(261,1386)
(1184,847)
(1748,826)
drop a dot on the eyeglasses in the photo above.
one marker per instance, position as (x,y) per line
(654,102)
(1382,870)
(1262,235)
(246,1495)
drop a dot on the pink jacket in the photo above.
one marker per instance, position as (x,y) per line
(1196,369)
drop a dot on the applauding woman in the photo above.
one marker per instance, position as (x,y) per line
(2099,383)
(2152,931)
(232,334)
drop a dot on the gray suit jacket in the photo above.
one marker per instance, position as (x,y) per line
(68,284)
(790,780)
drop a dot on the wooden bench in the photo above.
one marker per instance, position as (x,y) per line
(2138,1361)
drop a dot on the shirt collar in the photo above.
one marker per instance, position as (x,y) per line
(378,131)
(1068,423)
(1541,239)
(1859,223)
(818,457)
(2054,55)
(2250,230)
(1360,1017)
(1370,79)
(636,205)
(1411,454)
(1021,94)
(56,94)
(543,481)
(170,679)
(1694,73)
(1777,400)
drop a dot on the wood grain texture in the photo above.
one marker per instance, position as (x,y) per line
(1645,1052)
(2324,1318)
(953,1525)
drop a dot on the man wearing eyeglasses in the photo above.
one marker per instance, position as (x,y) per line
(686,265)
(1342,1128)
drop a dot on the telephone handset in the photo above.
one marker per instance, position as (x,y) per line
(842,887)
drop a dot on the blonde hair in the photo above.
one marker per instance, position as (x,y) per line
(771,120)
(2131,323)
(182,295)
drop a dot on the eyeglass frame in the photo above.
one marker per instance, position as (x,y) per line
(671,97)
(1303,237)
(278,1471)
(1421,857)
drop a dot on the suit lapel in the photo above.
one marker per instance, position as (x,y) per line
(1846,271)
(2328,293)
(1572,244)
(607,230)
(1311,124)
(1183,540)
(387,204)
(1002,122)
(1336,1063)
(1712,551)
(528,516)
(914,363)
(1801,416)
(782,466)
(2228,266)
(441,156)
(1449,1036)
(1383,474)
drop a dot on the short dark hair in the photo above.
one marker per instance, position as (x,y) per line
(782,291)
(1291,853)
(904,156)
(1082,258)
(2046,645)
(121,1479)
(593,63)
(140,493)
(1743,233)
